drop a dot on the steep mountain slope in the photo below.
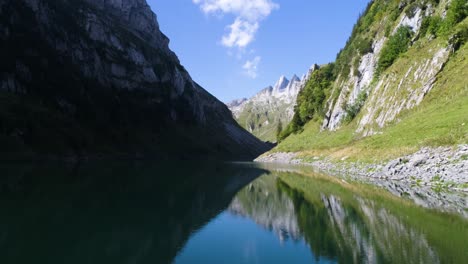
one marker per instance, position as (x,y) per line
(398,85)
(86,77)
(271,108)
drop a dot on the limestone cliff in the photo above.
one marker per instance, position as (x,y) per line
(401,88)
(398,54)
(83,77)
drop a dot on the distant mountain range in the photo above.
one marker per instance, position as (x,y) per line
(271,107)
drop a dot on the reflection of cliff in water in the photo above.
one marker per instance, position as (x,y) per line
(262,201)
(425,196)
(346,228)
(354,230)
(110,213)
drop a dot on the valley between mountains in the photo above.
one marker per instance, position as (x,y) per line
(101,82)
(110,152)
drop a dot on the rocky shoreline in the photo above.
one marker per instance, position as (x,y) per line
(442,168)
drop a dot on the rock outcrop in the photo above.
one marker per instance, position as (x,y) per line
(441,169)
(396,91)
(98,77)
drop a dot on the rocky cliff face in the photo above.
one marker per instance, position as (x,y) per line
(397,85)
(97,76)
(262,113)
(401,88)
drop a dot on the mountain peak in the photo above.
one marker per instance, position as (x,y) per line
(295,78)
(236,102)
(262,113)
(281,84)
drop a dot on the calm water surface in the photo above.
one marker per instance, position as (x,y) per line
(216,213)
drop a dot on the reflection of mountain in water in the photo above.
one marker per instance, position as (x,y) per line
(140,213)
(124,213)
(268,207)
(340,226)
(355,230)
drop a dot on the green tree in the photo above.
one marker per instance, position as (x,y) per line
(279,129)
(397,44)
(310,100)
(457,11)
(353,110)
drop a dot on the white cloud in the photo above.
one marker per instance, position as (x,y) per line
(248,15)
(251,67)
(248,9)
(241,34)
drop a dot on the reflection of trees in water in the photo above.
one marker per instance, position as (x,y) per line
(356,230)
(262,201)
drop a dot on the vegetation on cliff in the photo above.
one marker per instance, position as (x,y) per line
(399,111)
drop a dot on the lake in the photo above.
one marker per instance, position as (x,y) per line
(139,212)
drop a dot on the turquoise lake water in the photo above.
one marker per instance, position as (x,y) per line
(212,213)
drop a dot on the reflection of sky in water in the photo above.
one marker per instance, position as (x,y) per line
(212,214)
(269,222)
(234,239)
(250,251)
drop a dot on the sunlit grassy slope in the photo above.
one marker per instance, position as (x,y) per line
(440,120)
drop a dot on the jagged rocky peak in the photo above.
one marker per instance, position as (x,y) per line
(236,102)
(268,91)
(262,113)
(283,89)
(281,84)
(295,78)
(294,85)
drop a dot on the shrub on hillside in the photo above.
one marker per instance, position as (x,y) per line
(352,110)
(311,99)
(364,46)
(279,130)
(293,127)
(430,25)
(457,11)
(396,45)
(459,38)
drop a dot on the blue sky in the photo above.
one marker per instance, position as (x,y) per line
(234,48)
